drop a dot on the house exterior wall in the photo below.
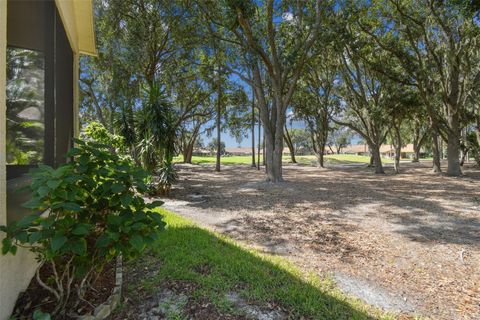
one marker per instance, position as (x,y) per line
(15,271)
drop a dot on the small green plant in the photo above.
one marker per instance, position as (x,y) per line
(94,212)
(167,176)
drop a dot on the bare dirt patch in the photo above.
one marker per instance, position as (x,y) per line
(415,235)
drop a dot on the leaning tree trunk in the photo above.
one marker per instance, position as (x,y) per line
(288,141)
(453,146)
(187,157)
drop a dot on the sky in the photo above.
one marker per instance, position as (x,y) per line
(231,142)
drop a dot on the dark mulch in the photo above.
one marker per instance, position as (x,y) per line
(38,298)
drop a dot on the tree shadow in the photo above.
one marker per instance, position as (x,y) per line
(417,204)
(207,267)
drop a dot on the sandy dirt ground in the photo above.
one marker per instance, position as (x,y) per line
(408,243)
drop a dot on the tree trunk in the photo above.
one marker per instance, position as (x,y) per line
(253,130)
(453,146)
(188,156)
(416,143)
(264,161)
(259,144)
(376,158)
(274,136)
(398,148)
(416,155)
(320,155)
(273,155)
(219,112)
(288,141)
(435,148)
(477,127)
(372,161)
(464,155)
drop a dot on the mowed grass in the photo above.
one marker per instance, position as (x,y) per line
(308,160)
(216,266)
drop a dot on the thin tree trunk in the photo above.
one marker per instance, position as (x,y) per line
(416,142)
(291,148)
(219,112)
(321,156)
(253,130)
(259,143)
(398,148)
(435,149)
(264,161)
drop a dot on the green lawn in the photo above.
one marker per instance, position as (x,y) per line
(236,160)
(212,265)
(228,160)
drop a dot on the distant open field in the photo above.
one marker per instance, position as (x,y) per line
(330,159)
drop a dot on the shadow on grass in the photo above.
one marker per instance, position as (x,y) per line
(216,266)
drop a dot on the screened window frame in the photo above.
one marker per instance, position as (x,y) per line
(46,34)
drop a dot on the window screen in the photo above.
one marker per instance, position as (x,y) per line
(25,93)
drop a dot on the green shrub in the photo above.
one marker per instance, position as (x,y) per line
(162,182)
(94,212)
(96,132)
(167,176)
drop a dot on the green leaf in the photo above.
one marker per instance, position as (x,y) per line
(57,242)
(39,315)
(158,219)
(71,206)
(154,204)
(103,241)
(35,236)
(82,229)
(43,191)
(61,171)
(79,246)
(6,245)
(126,199)
(27,221)
(53,184)
(137,242)
(117,187)
(22,237)
(32,203)
(74,152)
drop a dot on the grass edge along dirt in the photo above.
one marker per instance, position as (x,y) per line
(227,266)
(304,160)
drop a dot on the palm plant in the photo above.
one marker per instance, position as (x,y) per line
(156,131)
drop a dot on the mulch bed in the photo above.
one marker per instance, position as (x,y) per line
(38,298)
